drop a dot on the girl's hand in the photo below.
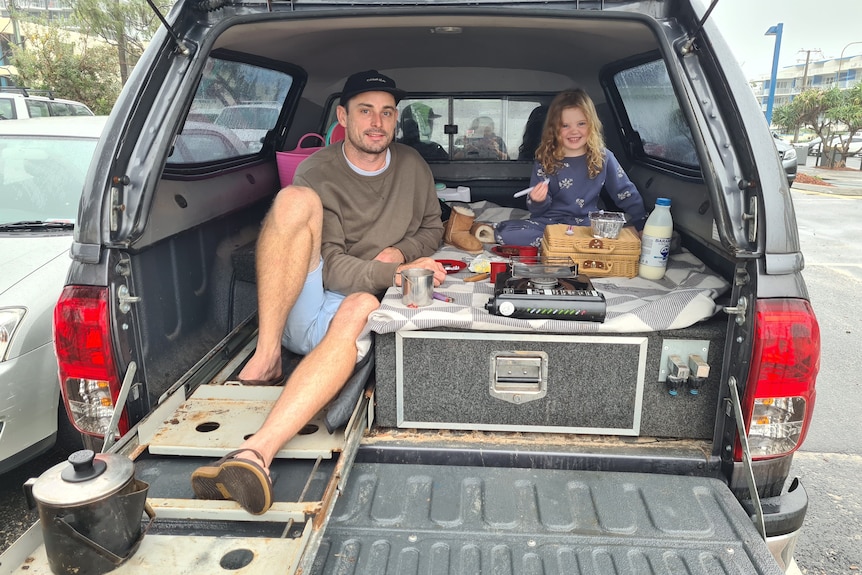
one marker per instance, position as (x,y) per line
(540,192)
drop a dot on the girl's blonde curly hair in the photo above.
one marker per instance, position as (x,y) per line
(550,153)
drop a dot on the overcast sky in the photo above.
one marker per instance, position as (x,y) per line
(826,25)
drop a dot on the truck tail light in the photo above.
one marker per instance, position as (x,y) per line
(779,396)
(85,353)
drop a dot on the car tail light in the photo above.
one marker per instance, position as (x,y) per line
(85,355)
(779,396)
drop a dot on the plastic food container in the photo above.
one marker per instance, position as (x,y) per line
(607,224)
(555,267)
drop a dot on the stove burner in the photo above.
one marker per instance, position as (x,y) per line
(544,283)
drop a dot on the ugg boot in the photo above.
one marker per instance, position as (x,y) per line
(483,232)
(457,230)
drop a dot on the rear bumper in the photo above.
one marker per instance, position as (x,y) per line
(783,517)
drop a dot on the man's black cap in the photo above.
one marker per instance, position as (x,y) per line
(369,81)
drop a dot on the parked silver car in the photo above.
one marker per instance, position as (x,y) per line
(789,160)
(43,164)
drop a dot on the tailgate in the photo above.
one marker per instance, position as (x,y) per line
(396,518)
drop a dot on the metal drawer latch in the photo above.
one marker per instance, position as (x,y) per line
(519,376)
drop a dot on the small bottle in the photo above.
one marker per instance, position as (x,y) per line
(655,243)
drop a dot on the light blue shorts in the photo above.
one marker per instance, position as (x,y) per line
(311,314)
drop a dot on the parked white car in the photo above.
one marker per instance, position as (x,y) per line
(19,104)
(815,148)
(43,164)
(249,122)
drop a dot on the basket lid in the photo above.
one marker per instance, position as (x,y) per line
(581,240)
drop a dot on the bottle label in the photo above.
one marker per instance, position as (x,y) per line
(654,251)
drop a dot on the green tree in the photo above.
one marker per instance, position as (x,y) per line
(823,111)
(128,25)
(77,69)
(849,113)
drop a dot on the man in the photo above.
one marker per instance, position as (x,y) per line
(417,122)
(358,213)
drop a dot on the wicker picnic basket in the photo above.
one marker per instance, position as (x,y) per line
(596,257)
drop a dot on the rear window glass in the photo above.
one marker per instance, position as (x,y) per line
(7,109)
(654,113)
(235,106)
(59,109)
(37,108)
(452,128)
(78,110)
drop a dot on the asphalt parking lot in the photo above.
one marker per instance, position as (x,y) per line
(843,181)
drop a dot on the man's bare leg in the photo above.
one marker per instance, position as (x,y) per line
(315,381)
(287,250)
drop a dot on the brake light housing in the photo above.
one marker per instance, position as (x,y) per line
(89,380)
(779,395)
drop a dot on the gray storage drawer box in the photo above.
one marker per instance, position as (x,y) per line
(495,381)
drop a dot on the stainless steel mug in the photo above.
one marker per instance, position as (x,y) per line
(417,287)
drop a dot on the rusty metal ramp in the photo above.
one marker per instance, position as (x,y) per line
(216,419)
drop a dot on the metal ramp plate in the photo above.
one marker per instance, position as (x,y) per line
(216,419)
(196,555)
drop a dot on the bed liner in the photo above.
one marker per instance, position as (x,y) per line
(441,519)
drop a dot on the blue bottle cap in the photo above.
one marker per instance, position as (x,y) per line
(662,202)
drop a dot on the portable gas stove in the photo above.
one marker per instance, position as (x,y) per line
(546,291)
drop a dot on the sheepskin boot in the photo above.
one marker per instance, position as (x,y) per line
(483,232)
(456,233)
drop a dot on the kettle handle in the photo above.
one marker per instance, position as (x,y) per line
(28,493)
(106,553)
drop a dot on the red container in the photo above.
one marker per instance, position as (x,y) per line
(498,268)
(521,252)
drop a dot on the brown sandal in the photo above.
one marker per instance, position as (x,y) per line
(240,480)
(277,380)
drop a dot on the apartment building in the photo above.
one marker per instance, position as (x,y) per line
(842,72)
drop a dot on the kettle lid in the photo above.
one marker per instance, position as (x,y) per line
(83,478)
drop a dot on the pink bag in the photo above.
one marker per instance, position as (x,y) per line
(287,162)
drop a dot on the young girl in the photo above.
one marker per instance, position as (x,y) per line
(572,165)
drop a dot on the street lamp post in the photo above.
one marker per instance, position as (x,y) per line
(841,61)
(773,31)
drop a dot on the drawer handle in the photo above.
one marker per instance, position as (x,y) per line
(519,376)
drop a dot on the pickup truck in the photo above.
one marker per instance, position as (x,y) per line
(656,441)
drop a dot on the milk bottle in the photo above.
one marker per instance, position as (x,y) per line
(655,243)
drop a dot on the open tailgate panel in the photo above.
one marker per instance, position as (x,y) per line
(396,518)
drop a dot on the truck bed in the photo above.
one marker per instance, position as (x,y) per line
(339,513)
(442,520)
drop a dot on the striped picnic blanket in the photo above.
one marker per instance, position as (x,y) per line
(685,296)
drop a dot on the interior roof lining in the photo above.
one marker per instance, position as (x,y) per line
(571,49)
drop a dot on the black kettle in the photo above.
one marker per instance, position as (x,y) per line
(91,509)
